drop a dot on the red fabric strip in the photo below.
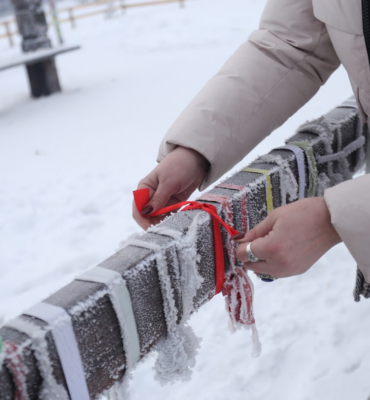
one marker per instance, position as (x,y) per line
(230,186)
(143,194)
(237,287)
(18,370)
(243,205)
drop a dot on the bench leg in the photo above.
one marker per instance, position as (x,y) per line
(43,78)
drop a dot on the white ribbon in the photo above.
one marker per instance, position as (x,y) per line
(121,302)
(350,148)
(299,155)
(60,323)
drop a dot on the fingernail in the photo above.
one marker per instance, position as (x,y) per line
(238,236)
(146,211)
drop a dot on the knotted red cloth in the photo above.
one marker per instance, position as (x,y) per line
(237,288)
(141,198)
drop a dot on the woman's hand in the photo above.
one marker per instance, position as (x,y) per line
(290,239)
(173,180)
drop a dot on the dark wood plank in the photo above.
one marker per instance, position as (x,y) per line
(96,326)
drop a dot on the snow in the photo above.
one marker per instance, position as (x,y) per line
(68,164)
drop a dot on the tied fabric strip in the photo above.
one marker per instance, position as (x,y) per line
(121,301)
(237,289)
(141,197)
(298,152)
(269,198)
(243,203)
(350,148)
(313,178)
(60,323)
(14,361)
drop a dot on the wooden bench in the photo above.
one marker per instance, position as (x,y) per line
(41,68)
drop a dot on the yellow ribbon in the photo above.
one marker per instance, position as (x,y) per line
(270,203)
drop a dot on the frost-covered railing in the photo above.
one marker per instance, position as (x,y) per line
(82,340)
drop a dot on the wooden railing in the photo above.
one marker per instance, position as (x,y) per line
(71,14)
(155,268)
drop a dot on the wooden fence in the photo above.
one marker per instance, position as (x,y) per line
(332,149)
(72,14)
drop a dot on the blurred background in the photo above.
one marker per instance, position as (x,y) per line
(69,163)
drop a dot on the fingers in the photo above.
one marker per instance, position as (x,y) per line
(259,249)
(260,230)
(144,222)
(160,198)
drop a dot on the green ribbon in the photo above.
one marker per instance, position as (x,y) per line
(313,176)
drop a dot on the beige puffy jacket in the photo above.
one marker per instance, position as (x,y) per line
(282,65)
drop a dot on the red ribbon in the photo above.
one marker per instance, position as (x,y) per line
(18,369)
(141,197)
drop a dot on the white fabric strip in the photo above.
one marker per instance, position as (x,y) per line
(121,302)
(299,155)
(60,323)
(353,146)
(50,388)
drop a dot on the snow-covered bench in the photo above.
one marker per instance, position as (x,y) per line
(41,69)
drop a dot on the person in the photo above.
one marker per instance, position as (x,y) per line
(298,45)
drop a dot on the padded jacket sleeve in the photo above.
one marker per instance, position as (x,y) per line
(272,75)
(349,206)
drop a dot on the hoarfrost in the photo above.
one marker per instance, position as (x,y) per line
(288,183)
(178,348)
(49,387)
(89,303)
(120,390)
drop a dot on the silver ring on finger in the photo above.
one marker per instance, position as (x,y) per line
(251,257)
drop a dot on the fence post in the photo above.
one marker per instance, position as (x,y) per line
(71,17)
(9,33)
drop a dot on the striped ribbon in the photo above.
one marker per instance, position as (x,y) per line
(237,288)
(269,198)
(298,152)
(243,203)
(227,208)
(121,301)
(60,324)
(313,176)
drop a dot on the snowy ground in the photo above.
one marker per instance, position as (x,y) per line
(68,164)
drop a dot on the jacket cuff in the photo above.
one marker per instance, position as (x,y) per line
(214,171)
(348,204)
